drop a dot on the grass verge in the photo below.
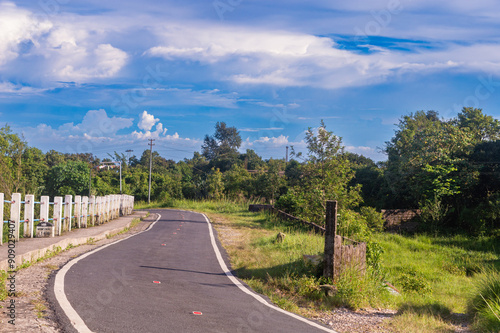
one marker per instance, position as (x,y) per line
(435,274)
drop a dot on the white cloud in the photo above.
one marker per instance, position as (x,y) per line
(18,89)
(371,152)
(17,26)
(260,129)
(270,142)
(96,123)
(147,121)
(98,134)
(270,57)
(67,48)
(76,63)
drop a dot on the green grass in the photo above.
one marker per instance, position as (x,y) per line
(484,303)
(435,274)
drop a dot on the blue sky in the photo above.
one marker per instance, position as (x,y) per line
(104,76)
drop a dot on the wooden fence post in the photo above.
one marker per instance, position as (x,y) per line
(29,215)
(330,232)
(15,213)
(58,208)
(2,199)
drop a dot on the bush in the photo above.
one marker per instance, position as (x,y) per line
(484,303)
(353,225)
(356,290)
(374,220)
(374,257)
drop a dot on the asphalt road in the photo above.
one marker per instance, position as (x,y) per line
(170,278)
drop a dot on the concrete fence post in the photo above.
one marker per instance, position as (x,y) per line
(68,207)
(2,200)
(98,204)
(117,206)
(85,208)
(78,211)
(330,232)
(108,205)
(121,204)
(92,209)
(29,215)
(44,209)
(15,213)
(58,208)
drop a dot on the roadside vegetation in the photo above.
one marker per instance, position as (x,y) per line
(440,278)
(448,169)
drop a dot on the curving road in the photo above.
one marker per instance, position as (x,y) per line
(170,278)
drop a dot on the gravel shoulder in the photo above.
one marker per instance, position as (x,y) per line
(32,311)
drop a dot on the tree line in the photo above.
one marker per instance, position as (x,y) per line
(448,168)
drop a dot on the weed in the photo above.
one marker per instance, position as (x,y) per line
(411,280)
(484,303)
(357,290)
(40,307)
(3,288)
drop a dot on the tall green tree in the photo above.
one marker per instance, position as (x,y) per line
(221,149)
(70,177)
(11,153)
(326,175)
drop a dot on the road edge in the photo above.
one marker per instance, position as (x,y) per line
(72,316)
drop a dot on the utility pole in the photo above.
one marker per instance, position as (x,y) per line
(150,167)
(286,158)
(128,151)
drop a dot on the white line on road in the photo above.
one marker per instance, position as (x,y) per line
(250,292)
(70,312)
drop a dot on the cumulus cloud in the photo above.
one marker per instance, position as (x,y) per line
(96,123)
(17,26)
(63,48)
(98,133)
(146,123)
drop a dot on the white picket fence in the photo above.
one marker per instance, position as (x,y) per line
(66,212)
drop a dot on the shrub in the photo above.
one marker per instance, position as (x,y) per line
(484,303)
(374,220)
(410,280)
(357,290)
(374,254)
(353,225)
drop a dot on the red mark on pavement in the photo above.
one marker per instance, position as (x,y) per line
(157,282)
(197,313)
(163,244)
